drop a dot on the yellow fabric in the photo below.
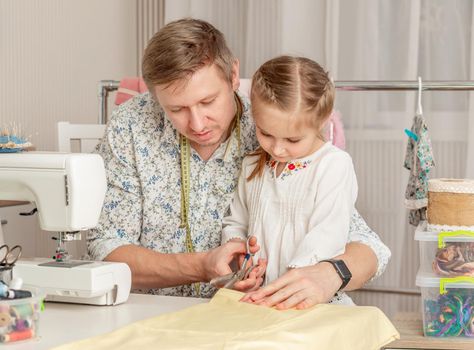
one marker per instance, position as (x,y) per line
(226,323)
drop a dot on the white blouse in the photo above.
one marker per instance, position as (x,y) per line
(300,217)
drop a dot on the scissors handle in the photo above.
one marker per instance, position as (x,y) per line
(13,255)
(3,254)
(9,256)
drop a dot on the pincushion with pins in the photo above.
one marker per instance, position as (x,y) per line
(11,142)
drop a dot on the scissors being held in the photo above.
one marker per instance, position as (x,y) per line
(249,276)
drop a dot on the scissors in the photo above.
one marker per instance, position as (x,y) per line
(228,281)
(8,257)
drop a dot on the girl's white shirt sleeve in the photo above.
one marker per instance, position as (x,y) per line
(235,225)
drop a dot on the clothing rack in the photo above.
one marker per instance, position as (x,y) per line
(105,86)
(103,89)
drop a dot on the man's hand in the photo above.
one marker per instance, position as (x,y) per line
(300,288)
(218,260)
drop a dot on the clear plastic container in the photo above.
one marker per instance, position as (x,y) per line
(447,304)
(19,318)
(447,254)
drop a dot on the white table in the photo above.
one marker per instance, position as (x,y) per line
(64,323)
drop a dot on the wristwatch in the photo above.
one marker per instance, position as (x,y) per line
(342,270)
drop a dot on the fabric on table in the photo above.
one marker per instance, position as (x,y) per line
(226,323)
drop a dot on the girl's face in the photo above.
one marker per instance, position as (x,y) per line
(283,136)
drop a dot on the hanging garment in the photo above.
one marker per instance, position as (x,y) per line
(419,160)
(226,323)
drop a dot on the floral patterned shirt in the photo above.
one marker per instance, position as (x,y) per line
(143,201)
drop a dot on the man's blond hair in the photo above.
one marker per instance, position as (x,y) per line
(181,48)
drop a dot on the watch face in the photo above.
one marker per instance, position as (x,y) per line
(343,270)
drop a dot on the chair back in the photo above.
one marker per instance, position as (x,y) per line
(83,136)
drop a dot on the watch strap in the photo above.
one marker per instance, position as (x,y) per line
(342,270)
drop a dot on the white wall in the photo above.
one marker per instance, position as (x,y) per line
(53,53)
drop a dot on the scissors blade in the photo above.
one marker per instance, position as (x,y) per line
(228,281)
(222,280)
(247,272)
(232,281)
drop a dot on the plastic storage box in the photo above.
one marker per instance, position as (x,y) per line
(447,304)
(19,318)
(447,254)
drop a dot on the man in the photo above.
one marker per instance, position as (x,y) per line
(173,156)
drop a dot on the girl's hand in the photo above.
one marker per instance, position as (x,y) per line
(254,279)
(300,288)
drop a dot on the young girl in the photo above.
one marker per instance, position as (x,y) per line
(296,193)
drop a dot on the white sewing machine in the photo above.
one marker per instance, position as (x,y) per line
(68,191)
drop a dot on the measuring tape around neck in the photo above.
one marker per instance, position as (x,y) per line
(185,188)
(185,150)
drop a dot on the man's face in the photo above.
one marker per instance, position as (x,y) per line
(201,108)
